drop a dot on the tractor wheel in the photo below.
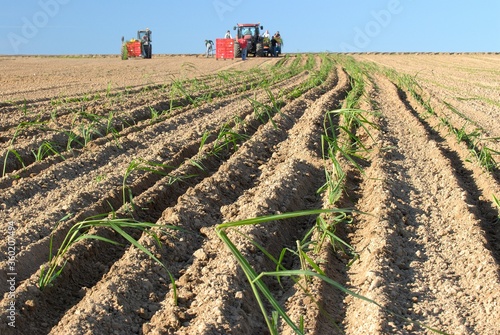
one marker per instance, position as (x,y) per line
(259,50)
(237,50)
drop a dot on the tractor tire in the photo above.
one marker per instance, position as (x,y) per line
(237,50)
(259,50)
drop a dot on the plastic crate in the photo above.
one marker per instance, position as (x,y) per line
(224,48)
(134,49)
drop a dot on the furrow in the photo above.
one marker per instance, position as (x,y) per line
(192,144)
(288,181)
(90,165)
(82,124)
(89,253)
(421,224)
(175,254)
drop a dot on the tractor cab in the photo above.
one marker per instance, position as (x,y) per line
(145,37)
(248,32)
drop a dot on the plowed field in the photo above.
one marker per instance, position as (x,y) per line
(402,149)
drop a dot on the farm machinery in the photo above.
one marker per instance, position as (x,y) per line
(138,47)
(250,32)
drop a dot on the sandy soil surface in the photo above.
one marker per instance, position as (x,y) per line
(423,227)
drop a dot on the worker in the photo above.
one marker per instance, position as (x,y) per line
(209,44)
(273,45)
(279,43)
(146,44)
(228,34)
(266,34)
(243,46)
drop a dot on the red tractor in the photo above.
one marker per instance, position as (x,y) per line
(250,32)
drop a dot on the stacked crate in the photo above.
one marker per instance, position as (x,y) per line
(224,48)
(134,48)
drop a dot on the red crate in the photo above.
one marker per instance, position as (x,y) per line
(134,49)
(224,48)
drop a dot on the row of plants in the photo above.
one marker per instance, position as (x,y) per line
(342,149)
(313,241)
(307,248)
(479,145)
(84,128)
(227,139)
(87,126)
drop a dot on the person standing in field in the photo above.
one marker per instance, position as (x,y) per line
(243,46)
(228,35)
(146,44)
(209,45)
(273,46)
(279,43)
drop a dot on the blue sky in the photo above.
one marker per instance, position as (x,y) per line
(179,27)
